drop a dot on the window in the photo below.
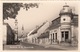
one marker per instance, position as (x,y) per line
(56,35)
(62,34)
(66,34)
(64,19)
(53,36)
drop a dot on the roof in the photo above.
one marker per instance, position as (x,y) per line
(35,30)
(66,6)
(55,23)
(44,35)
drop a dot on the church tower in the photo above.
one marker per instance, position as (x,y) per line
(22,30)
(16,30)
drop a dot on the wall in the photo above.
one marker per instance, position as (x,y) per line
(76,32)
(57,30)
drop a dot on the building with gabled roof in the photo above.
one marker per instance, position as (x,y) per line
(63,29)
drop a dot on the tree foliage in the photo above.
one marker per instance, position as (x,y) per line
(11,9)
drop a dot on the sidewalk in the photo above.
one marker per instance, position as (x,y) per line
(63,47)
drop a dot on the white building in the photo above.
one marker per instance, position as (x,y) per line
(63,29)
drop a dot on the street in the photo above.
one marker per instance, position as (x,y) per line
(27,46)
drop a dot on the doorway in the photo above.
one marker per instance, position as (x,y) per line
(65,36)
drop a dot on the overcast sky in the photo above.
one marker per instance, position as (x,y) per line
(36,16)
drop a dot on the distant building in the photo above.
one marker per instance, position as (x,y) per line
(10,35)
(22,36)
(16,30)
(33,34)
(22,30)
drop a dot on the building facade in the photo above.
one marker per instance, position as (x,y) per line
(65,27)
(9,36)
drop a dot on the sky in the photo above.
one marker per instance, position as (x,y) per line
(47,11)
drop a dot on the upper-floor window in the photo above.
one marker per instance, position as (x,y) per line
(64,19)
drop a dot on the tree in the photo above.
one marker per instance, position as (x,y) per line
(11,9)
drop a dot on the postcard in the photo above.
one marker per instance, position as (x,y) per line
(40,25)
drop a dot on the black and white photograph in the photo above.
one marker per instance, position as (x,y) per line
(40,25)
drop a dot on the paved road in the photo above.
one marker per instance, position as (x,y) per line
(38,47)
(27,46)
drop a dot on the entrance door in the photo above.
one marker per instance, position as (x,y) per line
(65,35)
(62,36)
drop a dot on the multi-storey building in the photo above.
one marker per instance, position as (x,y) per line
(64,28)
